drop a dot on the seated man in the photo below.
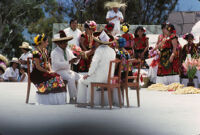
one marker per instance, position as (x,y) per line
(98,71)
(12,73)
(62,58)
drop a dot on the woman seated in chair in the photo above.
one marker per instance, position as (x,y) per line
(51,88)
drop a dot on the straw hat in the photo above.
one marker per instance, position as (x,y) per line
(3,62)
(103,38)
(61,36)
(25,45)
(114,4)
(14,60)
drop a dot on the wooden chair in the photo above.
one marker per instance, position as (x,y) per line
(29,80)
(112,82)
(134,84)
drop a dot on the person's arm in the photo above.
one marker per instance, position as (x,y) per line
(121,18)
(175,44)
(95,61)
(82,40)
(22,78)
(147,45)
(37,65)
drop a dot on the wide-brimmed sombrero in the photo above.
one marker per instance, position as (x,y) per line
(25,45)
(61,36)
(114,4)
(103,38)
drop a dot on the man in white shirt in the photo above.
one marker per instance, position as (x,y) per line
(98,71)
(25,47)
(12,73)
(115,16)
(62,58)
(74,32)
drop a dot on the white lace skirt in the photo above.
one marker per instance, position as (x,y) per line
(51,98)
(168,79)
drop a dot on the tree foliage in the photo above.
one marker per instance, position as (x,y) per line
(37,16)
(136,12)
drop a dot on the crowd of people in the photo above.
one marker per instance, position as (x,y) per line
(83,57)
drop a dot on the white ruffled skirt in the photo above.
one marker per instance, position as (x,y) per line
(51,98)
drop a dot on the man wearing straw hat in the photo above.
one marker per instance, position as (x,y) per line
(62,58)
(98,71)
(12,73)
(114,15)
(25,47)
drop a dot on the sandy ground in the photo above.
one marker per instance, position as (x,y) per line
(161,113)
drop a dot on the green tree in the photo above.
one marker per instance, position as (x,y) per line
(15,16)
(136,12)
(37,16)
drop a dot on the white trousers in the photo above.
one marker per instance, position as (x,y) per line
(168,79)
(71,77)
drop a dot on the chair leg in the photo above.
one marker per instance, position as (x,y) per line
(119,97)
(102,97)
(28,91)
(110,98)
(122,89)
(127,100)
(138,96)
(92,96)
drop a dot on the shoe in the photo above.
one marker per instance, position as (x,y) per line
(72,101)
(82,105)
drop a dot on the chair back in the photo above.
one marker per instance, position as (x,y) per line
(114,79)
(136,64)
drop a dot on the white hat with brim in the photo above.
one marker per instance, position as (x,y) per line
(103,38)
(14,60)
(25,45)
(114,4)
(57,38)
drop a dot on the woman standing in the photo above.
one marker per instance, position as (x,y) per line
(141,44)
(87,44)
(168,65)
(51,88)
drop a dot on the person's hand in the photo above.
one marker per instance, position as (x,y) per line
(114,17)
(85,77)
(74,60)
(171,58)
(51,72)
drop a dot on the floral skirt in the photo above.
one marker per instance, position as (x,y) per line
(47,83)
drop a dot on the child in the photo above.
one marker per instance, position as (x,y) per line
(23,77)
(141,44)
(129,38)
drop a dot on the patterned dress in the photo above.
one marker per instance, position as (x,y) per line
(84,64)
(139,46)
(129,42)
(189,49)
(123,55)
(45,82)
(165,67)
